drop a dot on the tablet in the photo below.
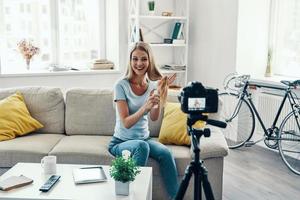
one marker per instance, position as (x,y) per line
(89,175)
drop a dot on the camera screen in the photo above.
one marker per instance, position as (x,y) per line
(195,104)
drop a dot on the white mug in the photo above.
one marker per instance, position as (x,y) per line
(49,164)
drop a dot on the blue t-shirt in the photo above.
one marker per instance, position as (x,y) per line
(140,129)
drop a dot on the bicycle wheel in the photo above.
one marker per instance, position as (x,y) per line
(239,118)
(289,142)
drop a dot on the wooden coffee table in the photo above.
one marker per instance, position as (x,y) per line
(140,189)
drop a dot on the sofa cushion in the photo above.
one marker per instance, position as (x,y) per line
(83,149)
(29,148)
(44,104)
(15,120)
(89,112)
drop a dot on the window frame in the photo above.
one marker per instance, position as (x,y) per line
(274,26)
(55,51)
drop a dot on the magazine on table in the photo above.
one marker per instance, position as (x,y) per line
(14,182)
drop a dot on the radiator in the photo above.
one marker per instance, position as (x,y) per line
(267,106)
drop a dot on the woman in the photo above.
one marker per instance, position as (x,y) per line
(135,98)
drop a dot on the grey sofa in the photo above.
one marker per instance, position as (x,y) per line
(78,128)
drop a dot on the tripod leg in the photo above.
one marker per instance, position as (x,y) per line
(197,183)
(184,183)
(206,185)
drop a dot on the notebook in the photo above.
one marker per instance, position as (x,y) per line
(14,182)
(89,175)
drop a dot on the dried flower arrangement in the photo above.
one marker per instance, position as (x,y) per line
(27,49)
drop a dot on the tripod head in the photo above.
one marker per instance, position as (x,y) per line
(192,119)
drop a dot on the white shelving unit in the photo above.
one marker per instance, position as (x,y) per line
(155,28)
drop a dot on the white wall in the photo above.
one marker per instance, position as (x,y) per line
(213,33)
(225,36)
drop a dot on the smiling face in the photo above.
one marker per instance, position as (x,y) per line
(139,62)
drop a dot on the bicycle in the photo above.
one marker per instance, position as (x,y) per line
(239,112)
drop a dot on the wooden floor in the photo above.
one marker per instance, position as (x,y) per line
(258,173)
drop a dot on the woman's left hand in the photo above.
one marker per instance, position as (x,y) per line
(171,78)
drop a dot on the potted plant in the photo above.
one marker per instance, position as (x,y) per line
(123,170)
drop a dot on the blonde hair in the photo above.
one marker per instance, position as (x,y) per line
(152,73)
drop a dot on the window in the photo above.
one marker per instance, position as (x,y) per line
(68,32)
(285,37)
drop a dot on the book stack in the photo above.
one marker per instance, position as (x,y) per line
(102,64)
(173,67)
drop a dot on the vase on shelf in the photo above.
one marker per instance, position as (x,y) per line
(269,71)
(122,188)
(151,7)
(27,64)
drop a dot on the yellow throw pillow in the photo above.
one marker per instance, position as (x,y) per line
(15,119)
(173,129)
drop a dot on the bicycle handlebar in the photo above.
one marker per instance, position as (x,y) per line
(240,80)
(291,83)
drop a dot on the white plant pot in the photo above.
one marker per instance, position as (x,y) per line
(122,188)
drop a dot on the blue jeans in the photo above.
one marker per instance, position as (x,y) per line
(141,150)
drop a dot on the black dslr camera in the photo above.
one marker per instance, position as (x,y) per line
(196,99)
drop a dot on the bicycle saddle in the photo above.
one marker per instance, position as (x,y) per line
(291,83)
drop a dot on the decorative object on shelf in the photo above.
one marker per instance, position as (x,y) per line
(123,170)
(269,71)
(166,14)
(28,50)
(151,7)
(168,40)
(141,35)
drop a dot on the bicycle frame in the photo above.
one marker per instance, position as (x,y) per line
(244,94)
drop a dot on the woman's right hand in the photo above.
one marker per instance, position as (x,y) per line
(151,101)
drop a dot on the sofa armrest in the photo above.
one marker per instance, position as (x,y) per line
(213,146)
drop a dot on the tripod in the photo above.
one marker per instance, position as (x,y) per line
(196,165)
